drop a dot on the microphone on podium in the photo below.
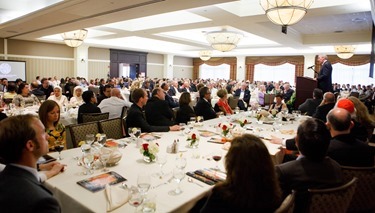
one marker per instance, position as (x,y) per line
(310,67)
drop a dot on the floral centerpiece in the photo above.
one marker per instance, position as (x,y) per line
(193,140)
(242,121)
(149,151)
(225,127)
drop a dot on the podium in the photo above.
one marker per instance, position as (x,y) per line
(304,89)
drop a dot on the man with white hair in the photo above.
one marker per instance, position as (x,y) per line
(243,95)
(325,75)
(114,104)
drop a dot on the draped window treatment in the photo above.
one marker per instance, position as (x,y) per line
(231,61)
(297,61)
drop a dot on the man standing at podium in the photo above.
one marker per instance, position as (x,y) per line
(325,75)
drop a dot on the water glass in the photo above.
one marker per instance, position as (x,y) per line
(88,161)
(178,175)
(90,138)
(136,198)
(104,156)
(144,183)
(149,204)
(161,160)
(181,162)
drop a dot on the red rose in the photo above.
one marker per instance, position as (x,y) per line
(145,146)
(225,127)
(245,121)
(193,137)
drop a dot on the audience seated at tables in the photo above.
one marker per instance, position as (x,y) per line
(136,118)
(251,184)
(46,87)
(222,105)
(344,147)
(157,110)
(11,92)
(24,96)
(310,105)
(22,143)
(49,114)
(4,85)
(185,111)
(58,97)
(114,104)
(243,95)
(313,169)
(203,106)
(89,106)
(279,105)
(77,100)
(169,99)
(327,104)
(106,93)
(287,93)
(173,89)
(34,89)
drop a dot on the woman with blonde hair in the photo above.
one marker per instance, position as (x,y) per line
(251,184)
(222,105)
(362,116)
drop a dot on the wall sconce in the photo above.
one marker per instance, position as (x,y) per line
(83,60)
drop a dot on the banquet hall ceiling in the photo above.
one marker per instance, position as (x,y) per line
(178,27)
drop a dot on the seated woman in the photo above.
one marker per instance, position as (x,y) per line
(89,106)
(77,100)
(185,112)
(24,96)
(57,96)
(261,93)
(364,119)
(251,184)
(279,105)
(49,114)
(222,105)
(11,92)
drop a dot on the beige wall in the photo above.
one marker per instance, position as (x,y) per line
(155,70)
(177,60)
(30,48)
(155,58)
(1,45)
(98,69)
(183,67)
(98,53)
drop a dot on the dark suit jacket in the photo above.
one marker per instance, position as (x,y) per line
(184,89)
(246,98)
(20,191)
(325,77)
(170,101)
(204,108)
(309,106)
(322,111)
(135,118)
(287,95)
(158,112)
(172,91)
(303,174)
(100,98)
(349,151)
(87,108)
(184,113)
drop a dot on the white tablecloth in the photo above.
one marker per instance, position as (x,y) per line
(74,198)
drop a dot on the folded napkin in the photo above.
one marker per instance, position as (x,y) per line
(116,197)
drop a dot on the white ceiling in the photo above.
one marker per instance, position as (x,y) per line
(178,27)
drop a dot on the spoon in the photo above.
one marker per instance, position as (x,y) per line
(190,180)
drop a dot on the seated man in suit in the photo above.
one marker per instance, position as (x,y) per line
(327,104)
(313,169)
(23,141)
(157,110)
(171,102)
(136,118)
(89,106)
(204,107)
(344,147)
(243,95)
(310,105)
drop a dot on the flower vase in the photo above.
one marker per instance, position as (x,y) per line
(148,159)
(193,144)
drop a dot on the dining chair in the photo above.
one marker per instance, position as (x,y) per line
(112,128)
(287,206)
(332,199)
(90,117)
(233,101)
(78,132)
(364,196)
(124,112)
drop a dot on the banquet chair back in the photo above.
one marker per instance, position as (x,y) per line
(233,101)
(112,128)
(78,132)
(287,206)
(90,117)
(332,199)
(124,112)
(364,196)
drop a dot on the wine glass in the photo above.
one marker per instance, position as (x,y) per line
(178,175)
(136,198)
(88,160)
(104,156)
(216,156)
(181,162)
(59,146)
(182,128)
(134,132)
(161,160)
(144,183)
(90,138)
(102,139)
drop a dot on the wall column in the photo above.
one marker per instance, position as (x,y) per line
(81,64)
(241,68)
(6,49)
(168,66)
(309,61)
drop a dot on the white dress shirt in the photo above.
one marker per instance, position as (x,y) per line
(113,105)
